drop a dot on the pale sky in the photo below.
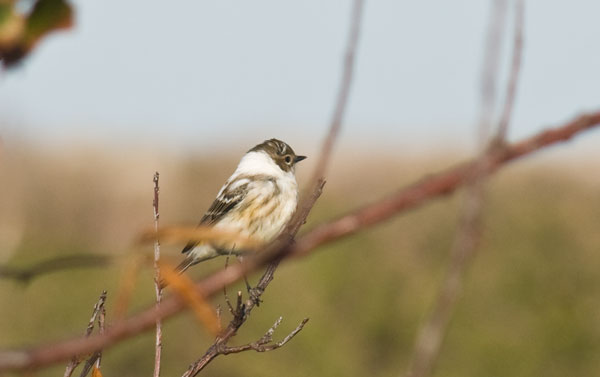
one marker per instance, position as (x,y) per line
(196,75)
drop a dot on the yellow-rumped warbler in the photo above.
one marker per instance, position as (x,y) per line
(257,200)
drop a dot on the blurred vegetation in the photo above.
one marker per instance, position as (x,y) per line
(530,308)
(20,31)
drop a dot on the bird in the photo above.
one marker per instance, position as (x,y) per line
(256,202)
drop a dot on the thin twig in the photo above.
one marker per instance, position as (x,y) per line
(490,67)
(402,201)
(69,262)
(431,334)
(511,89)
(89,363)
(342,95)
(97,313)
(157,279)
(434,329)
(96,358)
(102,330)
(240,314)
(261,345)
(227,301)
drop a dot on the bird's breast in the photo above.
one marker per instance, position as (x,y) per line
(265,210)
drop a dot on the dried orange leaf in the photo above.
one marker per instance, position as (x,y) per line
(96,372)
(184,287)
(126,286)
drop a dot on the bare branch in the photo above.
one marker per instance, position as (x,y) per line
(157,279)
(96,358)
(261,345)
(432,332)
(342,95)
(89,363)
(61,263)
(437,185)
(315,185)
(511,89)
(227,301)
(468,235)
(406,199)
(491,64)
(97,314)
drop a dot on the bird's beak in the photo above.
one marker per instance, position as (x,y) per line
(299,158)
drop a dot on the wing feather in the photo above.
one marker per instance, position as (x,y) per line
(232,194)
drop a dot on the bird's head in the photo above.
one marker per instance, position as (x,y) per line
(282,154)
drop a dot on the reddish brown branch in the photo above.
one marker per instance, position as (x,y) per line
(437,185)
(277,250)
(468,236)
(406,199)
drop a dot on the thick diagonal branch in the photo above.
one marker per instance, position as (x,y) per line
(406,199)
(315,188)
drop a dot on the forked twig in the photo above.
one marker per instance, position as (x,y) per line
(98,314)
(262,344)
(489,72)
(513,80)
(468,235)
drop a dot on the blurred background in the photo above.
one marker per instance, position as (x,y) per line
(185,88)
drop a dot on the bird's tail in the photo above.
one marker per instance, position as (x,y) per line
(180,269)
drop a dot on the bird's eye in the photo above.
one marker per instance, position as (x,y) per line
(288,159)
